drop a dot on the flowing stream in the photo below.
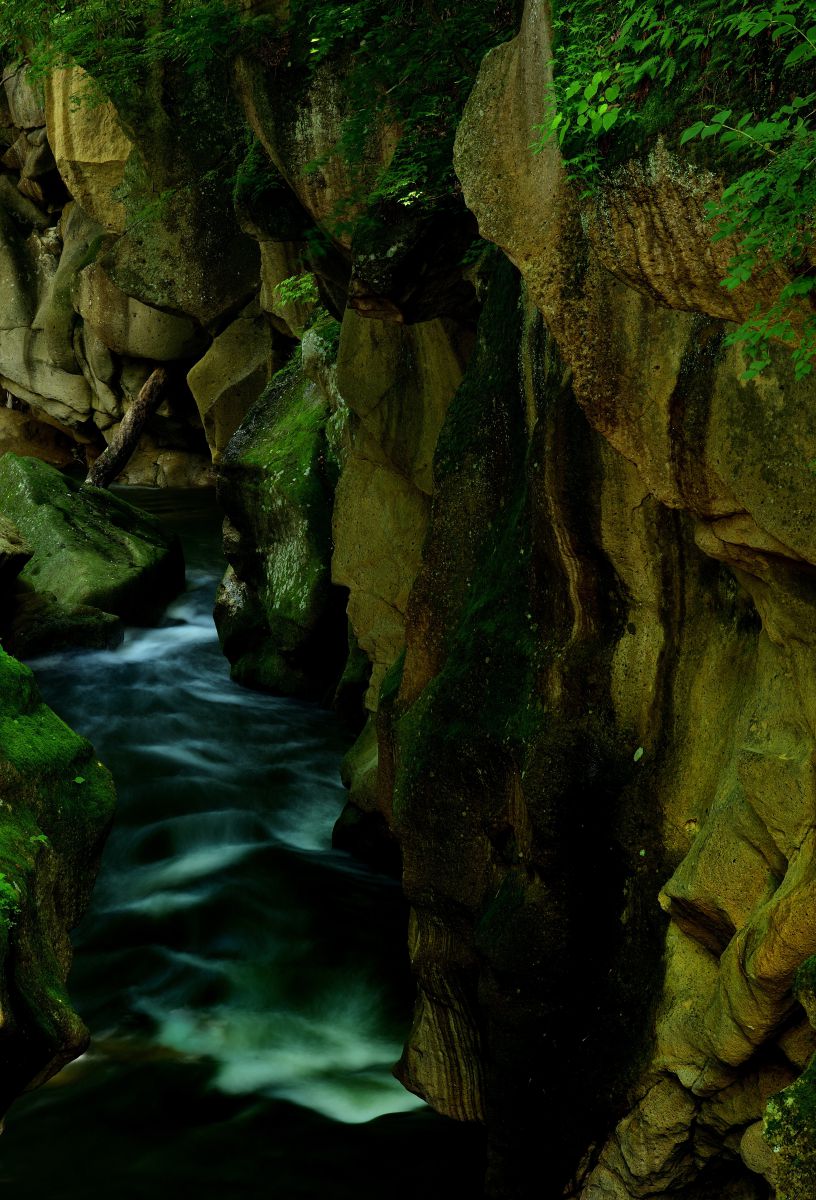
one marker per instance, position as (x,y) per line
(246,986)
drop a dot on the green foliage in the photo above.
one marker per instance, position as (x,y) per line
(297,289)
(255,176)
(408,68)
(117,43)
(734,75)
(9,901)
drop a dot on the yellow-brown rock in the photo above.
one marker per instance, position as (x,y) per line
(379,524)
(89,145)
(399,381)
(699,469)
(229,378)
(129,327)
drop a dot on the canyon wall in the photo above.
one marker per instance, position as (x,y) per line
(509,503)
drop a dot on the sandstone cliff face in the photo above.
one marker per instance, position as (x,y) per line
(707,672)
(593,744)
(98,220)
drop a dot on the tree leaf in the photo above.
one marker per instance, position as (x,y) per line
(801,53)
(691,132)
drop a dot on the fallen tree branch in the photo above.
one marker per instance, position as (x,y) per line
(112,461)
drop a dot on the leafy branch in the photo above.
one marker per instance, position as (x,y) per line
(407,66)
(613,71)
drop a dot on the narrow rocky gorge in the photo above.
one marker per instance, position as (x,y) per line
(494,487)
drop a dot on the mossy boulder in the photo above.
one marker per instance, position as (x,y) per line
(281,623)
(57,802)
(790,1128)
(91,550)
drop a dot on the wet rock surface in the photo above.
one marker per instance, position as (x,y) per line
(93,559)
(57,806)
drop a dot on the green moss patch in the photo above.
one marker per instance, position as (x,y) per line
(56,802)
(513,797)
(790,1129)
(90,547)
(276,486)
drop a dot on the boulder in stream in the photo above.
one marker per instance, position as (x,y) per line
(96,559)
(281,623)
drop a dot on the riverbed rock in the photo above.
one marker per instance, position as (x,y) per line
(57,806)
(277,613)
(91,549)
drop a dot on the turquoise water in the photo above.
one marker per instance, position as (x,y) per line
(246,985)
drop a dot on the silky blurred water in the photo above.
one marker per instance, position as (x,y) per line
(246,986)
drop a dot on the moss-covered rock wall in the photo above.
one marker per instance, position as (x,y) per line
(57,803)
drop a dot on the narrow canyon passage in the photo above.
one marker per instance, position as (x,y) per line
(245,985)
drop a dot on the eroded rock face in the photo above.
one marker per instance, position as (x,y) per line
(397,383)
(230,377)
(579,565)
(57,805)
(90,146)
(120,248)
(701,515)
